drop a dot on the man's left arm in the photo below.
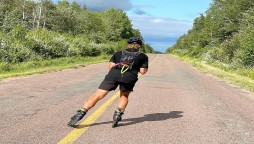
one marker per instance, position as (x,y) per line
(144,68)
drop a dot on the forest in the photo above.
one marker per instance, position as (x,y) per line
(224,34)
(40,30)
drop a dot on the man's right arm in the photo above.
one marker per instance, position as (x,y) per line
(112,61)
(111,64)
(144,68)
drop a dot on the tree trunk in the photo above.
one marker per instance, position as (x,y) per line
(24,4)
(34,15)
(44,17)
(39,15)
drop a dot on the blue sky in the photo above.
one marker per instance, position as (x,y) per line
(161,22)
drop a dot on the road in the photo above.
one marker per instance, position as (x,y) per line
(172,104)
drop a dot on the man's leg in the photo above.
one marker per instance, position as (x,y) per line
(92,100)
(126,89)
(123,101)
(121,105)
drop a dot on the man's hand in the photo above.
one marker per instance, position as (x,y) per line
(143,70)
(111,64)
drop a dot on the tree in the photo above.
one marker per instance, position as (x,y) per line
(11,19)
(117,25)
(224,33)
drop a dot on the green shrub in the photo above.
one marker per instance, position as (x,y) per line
(245,53)
(180,52)
(216,53)
(245,57)
(11,20)
(49,44)
(229,49)
(4,54)
(14,54)
(58,47)
(95,49)
(21,53)
(40,48)
(106,48)
(121,45)
(89,49)
(251,75)
(196,51)
(74,51)
(5,67)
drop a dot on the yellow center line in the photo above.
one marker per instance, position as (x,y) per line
(77,132)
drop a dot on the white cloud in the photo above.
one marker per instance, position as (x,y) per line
(157,31)
(97,5)
(150,25)
(161,33)
(157,20)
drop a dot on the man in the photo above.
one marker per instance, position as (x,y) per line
(124,67)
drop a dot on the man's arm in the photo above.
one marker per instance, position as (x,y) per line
(144,68)
(112,62)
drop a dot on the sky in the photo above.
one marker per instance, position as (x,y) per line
(161,22)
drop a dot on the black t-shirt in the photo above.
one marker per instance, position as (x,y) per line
(141,61)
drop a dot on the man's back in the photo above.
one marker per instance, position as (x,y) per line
(140,61)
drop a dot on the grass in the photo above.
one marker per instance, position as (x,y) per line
(44,66)
(242,77)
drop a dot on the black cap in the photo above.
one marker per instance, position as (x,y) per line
(134,40)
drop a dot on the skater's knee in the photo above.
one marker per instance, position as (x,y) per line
(100,94)
(99,97)
(125,94)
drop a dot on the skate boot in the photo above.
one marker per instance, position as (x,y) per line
(80,114)
(117,117)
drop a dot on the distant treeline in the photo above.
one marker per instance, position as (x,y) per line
(34,30)
(224,34)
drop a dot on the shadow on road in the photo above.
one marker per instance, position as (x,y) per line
(147,117)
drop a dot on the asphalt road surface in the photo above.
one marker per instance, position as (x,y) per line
(172,104)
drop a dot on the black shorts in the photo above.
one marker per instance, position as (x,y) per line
(112,85)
